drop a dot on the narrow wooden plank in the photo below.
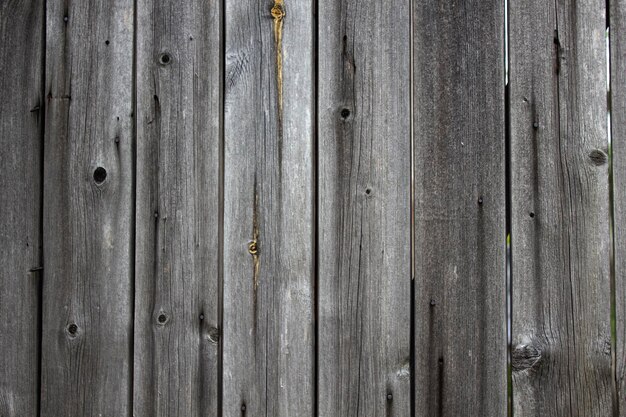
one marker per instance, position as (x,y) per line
(561,337)
(88,209)
(364,209)
(618,149)
(268,226)
(177,311)
(459,160)
(21,126)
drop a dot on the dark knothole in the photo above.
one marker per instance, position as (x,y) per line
(345,113)
(72,329)
(162,318)
(531,214)
(99,175)
(165,59)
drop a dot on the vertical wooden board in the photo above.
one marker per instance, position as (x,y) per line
(561,338)
(177,310)
(21,126)
(88,209)
(364,209)
(459,160)
(618,151)
(268,361)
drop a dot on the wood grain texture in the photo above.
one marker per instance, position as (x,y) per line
(268,358)
(618,148)
(460,304)
(177,309)
(364,209)
(88,218)
(561,338)
(21,127)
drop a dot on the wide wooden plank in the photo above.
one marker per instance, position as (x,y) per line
(21,129)
(617,102)
(88,209)
(268,357)
(561,336)
(459,160)
(364,209)
(177,310)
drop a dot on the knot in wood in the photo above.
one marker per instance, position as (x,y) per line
(253,249)
(598,157)
(213,335)
(524,357)
(278,11)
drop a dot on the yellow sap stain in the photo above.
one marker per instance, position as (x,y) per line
(278,13)
(253,246)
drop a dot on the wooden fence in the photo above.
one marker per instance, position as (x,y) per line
(302,208)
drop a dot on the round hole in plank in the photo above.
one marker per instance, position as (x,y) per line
(162,318)
(165,59)
(99,175)
(72,329)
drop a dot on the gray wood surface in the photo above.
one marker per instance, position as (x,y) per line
(561,338)
(364,209)
(88,217)
(618,148)
(21,128)
(177,287)
(460,305)
(206,208)
(268,357)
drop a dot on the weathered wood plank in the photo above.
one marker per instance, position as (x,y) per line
(177,311)
(618,149)
(268,356)
(364,209)
(460,304)
(88,209)
(21,128)
(560,213)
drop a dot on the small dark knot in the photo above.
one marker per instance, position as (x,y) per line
(598,157)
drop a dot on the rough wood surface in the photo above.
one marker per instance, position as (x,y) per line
(241,246)
(364,209)
(268,358)
(561,338)
(618,147)
(177,302)
(21,126)
(88,216)
(460,305)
